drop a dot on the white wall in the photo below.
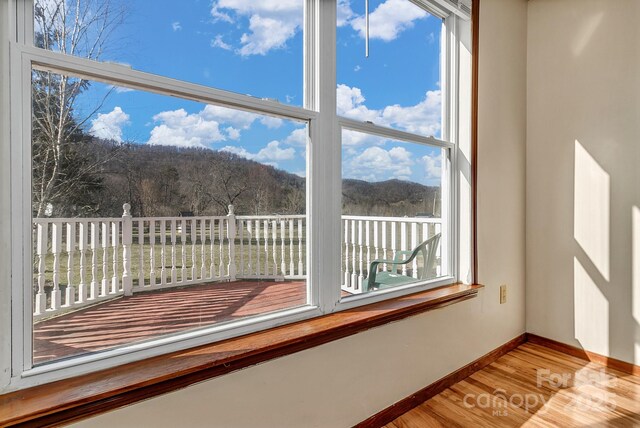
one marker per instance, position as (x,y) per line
(583,174)
(344,382)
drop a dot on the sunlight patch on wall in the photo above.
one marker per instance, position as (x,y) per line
(585,33)
(591,209)
(591,312)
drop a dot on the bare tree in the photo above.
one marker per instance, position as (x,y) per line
(61,168)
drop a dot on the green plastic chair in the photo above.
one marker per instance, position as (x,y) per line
(386,279)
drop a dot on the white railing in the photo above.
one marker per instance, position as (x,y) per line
(369,238)
(82,261)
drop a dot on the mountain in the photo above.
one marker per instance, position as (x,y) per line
(167,181)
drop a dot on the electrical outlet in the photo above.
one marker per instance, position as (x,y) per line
(503,293)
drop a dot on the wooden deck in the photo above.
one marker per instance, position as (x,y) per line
(146,315)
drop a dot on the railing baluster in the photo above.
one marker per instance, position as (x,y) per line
(266,248)
(70,291)
(301,260)
(292,271)
(376,241)
(367,226)
(439,251)
(414,244)
(221,225)
(115,239)
(403,244)
(384,244)
(163,252)
(394,243)
(258,248)
(127,241)
(250,246)
(82,248)
(193,237)
(354,256)
(105,257)
(152,252)
(56,247)
(360,255)
(203,248)
(212,238)
(183,252)
(283,231)
(345,245)
(241,236)
(41,249)
(274,246)
(95,231)
(174,242)
(141,253)
(231,240)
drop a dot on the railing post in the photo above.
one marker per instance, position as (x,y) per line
(127,239)
(231,235)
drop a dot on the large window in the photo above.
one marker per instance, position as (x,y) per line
(188,174)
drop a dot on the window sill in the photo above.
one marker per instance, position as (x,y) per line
(82,396)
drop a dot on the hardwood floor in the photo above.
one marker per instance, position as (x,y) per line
(150,314)
(533,386)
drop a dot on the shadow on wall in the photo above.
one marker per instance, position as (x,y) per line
(592,272)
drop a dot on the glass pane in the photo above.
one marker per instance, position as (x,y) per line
(253,48)
(398,85)
(214,229)
(392,205)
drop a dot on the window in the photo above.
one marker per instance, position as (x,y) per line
(225,175)
(394,169)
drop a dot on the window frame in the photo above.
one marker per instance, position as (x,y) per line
(323,180)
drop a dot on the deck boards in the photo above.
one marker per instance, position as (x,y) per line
(148,314)
(590,395)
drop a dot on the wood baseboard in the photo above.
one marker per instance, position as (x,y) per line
(574,351)
(392,412)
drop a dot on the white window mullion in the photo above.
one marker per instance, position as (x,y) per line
(325,174)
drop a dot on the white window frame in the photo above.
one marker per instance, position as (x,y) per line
(323,182)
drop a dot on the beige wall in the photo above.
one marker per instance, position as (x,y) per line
(344,382)
(583,174)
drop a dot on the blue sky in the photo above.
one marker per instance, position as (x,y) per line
(256,48)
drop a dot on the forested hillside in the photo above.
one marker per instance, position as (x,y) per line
(165,181)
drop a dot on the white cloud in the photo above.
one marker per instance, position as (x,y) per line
(271,122)
(120,89)
(217,42)
(180,129)
(432,166)
(236,118)
(298,137)
(109,125)
(270,154)
(344,13)
(422,118)
(389,19)
(176,26)
(232,133)
(378,164)
(271,22)
(357,68)
(201,129)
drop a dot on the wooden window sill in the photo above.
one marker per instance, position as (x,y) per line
(86,395)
